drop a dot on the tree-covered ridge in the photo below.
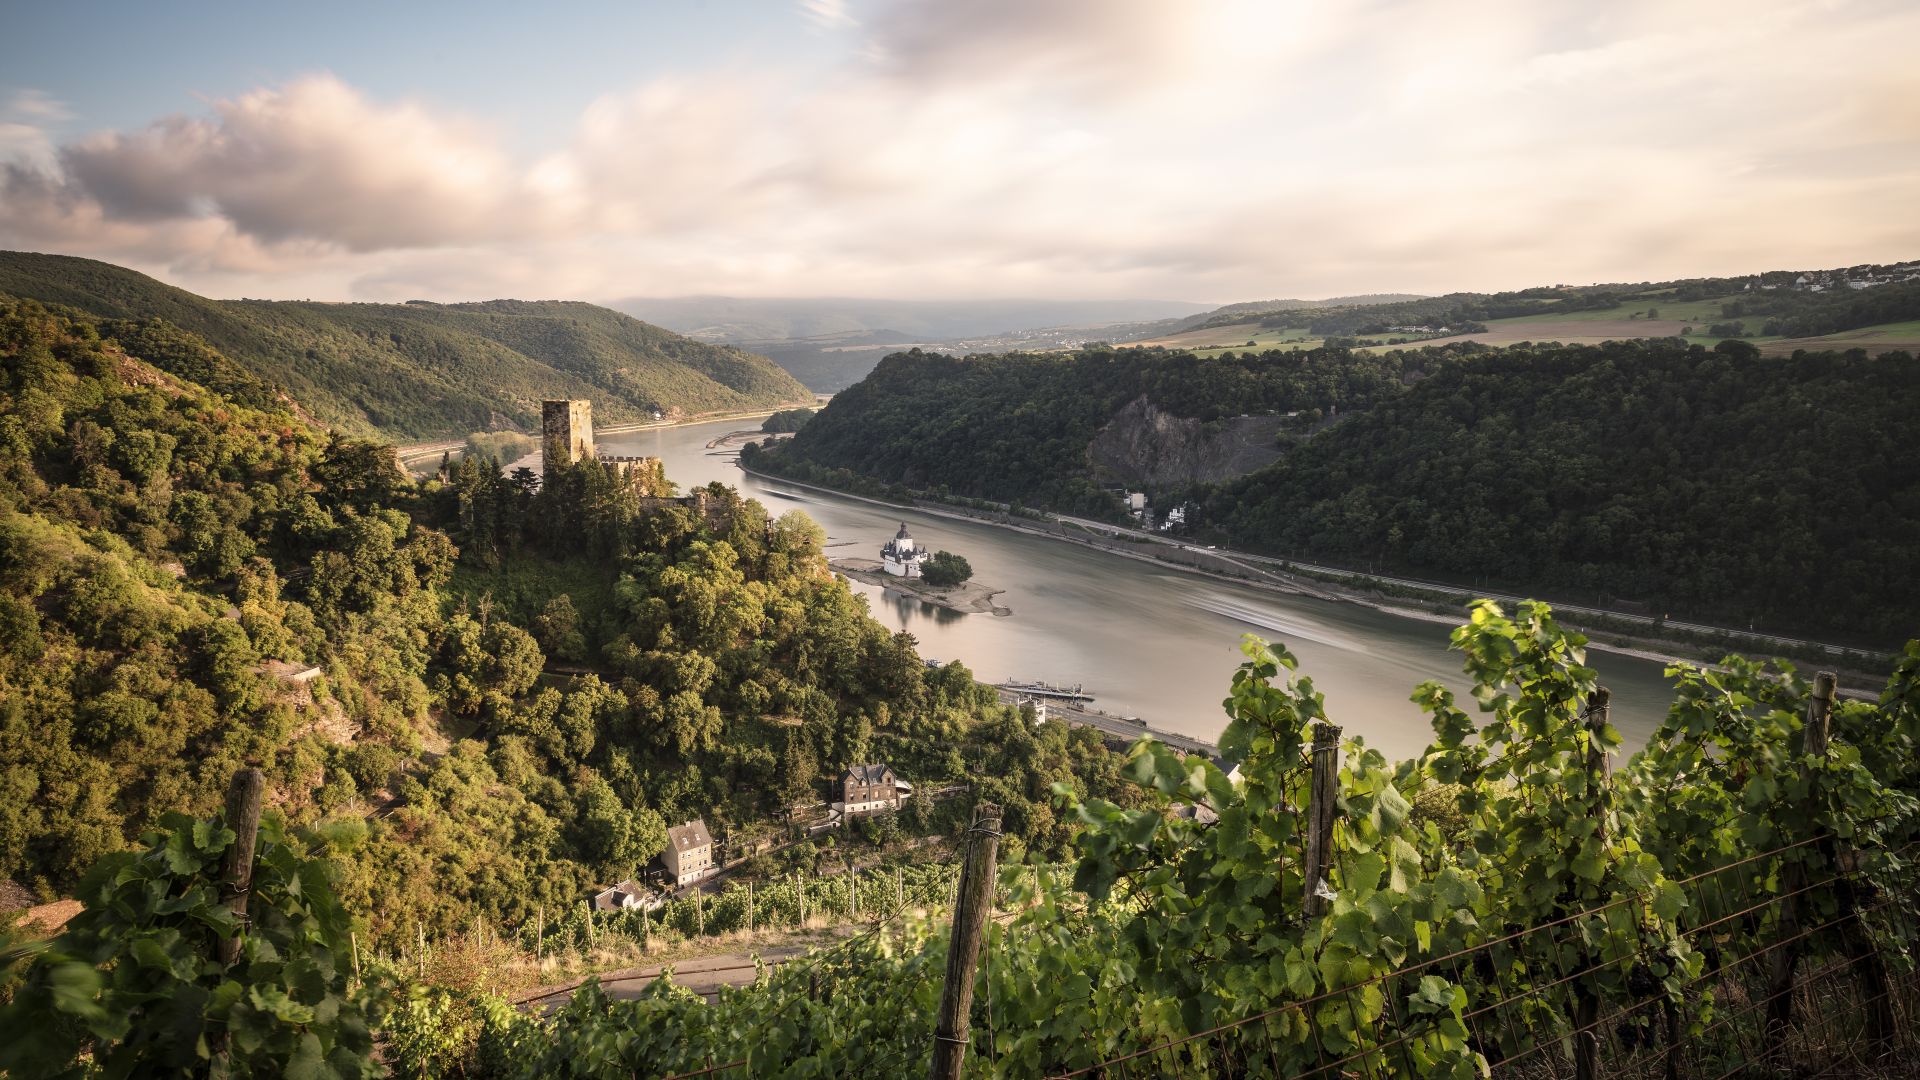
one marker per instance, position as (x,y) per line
(1778,491)
(424,370)
(1793,311)
(1017,426)
(168,558)
(1707,483)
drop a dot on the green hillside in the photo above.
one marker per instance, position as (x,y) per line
(1699,481)
(416,371)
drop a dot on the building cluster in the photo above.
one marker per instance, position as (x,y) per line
(689,856)
(1141,511)
(1855,278)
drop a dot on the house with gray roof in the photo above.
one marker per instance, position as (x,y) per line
(689,854)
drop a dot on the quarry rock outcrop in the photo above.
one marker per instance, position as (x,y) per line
(1145,446)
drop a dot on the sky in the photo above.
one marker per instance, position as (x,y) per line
(1207,150)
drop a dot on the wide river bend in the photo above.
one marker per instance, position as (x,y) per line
(1144,640)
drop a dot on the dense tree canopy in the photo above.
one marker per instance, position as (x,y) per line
(171,561)
(1712,484)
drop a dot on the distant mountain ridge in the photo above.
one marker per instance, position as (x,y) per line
(417,370)
(751,320)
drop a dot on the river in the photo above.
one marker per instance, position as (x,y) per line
(1145,641)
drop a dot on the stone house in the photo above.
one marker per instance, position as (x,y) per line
(689,854)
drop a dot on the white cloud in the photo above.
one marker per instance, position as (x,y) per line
(828,14)
(1216,150)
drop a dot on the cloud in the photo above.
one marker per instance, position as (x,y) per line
(828,14)
(1219,150)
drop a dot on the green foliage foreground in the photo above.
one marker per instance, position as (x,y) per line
(1170,927)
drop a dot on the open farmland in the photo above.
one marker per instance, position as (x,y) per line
(1234,336)
(1885,337)
(1572,328)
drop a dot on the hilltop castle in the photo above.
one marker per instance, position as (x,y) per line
(566,430)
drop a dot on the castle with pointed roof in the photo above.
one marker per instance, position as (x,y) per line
(901,557)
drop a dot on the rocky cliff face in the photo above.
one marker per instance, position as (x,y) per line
(1143,446)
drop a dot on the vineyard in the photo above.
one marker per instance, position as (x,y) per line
(1739,898)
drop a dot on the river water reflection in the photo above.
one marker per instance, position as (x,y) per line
(1144,640)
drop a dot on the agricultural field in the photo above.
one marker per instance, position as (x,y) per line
(1631,320)
(1235,336)
(1885,337)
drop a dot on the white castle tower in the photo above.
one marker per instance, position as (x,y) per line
(901,557)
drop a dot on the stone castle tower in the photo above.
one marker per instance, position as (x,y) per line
(566,429)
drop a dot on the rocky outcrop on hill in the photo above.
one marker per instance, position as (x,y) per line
(1144,446)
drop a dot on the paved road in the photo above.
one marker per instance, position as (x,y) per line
(703,975)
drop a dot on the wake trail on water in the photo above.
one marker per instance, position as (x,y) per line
(1283,628)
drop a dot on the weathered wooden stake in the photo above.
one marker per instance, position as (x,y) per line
(1876,987)
(244,795)
(1793,878)
(646,927)
(1322,804)
(700,913)
(853,891)
(900,888)
(972,906)
(353,938)
(801,885)
(540,931)
(749,907)
(1586,1003)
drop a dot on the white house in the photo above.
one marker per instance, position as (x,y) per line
(626,896)
(901,557)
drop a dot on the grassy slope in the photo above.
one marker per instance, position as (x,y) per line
(422,371)
(1572,327)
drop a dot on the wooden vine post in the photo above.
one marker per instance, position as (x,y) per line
(1876,989)
(1323,794)
(244,796)
(1793,877)
(1586,1003)
(749,907)
(972,906)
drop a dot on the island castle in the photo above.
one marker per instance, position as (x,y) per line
(566,439)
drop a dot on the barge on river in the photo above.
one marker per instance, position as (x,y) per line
(1046,690)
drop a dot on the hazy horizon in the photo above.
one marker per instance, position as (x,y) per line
(1207,153)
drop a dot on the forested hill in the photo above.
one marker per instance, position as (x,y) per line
(419,370)
(168,556)
(1018,426)
(1712,483)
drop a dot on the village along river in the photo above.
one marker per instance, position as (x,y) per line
(1145,640)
